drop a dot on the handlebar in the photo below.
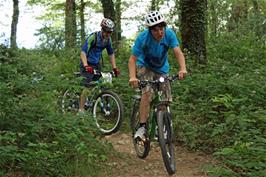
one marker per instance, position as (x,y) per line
(100,73)
(143,83)
(97,73)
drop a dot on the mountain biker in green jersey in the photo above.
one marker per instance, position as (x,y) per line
(91,53)
(149,61)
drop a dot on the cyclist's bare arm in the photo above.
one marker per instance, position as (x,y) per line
(83,58)
(181,61)
(133,81)
(112,60)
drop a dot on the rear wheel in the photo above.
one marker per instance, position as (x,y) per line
(141,147)
(166,140)
(108,112)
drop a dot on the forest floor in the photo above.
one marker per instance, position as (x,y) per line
(188,164)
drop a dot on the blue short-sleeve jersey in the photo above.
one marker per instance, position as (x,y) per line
(146,46)
(93,53)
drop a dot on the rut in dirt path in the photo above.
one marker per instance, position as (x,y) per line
(188,164)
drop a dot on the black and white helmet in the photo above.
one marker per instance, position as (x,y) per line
(154,18)
(107,25)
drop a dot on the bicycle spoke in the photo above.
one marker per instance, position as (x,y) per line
(107,112)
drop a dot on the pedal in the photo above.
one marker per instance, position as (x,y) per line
(146,139)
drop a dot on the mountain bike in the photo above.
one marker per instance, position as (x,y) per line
(102,103)
(159,125)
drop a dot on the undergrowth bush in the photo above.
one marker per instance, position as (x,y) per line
(36,138)
(221,107)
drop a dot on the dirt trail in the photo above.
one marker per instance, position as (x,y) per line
(129,165)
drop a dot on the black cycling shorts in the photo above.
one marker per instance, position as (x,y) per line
(88,77)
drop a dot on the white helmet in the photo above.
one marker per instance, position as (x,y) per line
(154,18)
(107,25)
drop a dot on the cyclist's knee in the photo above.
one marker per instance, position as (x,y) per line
(86,92)
(147,97)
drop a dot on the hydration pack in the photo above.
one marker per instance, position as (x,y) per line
(94,44)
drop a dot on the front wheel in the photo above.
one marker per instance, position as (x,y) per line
(166,140)
(108,112)
(141,147)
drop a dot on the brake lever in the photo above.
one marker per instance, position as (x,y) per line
(142,84)
(173,77)
(97,72)
(112,73)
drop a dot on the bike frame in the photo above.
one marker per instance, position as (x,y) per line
(96,88)
(159,115)
(101,102)
(155,104)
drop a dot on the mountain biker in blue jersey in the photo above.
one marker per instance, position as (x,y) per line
(149,61)
(91,53)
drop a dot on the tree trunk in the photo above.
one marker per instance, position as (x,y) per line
(13,36)
(213,18)
(245,10)
(239,13)
(70,24)
(109,12)
(255,6)
(193,29)
(82,21)
(118,30)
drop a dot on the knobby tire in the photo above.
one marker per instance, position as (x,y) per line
(166,140)
(108,121)
(142,148)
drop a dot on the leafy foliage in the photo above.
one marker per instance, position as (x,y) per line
(221,107)
(36,139)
